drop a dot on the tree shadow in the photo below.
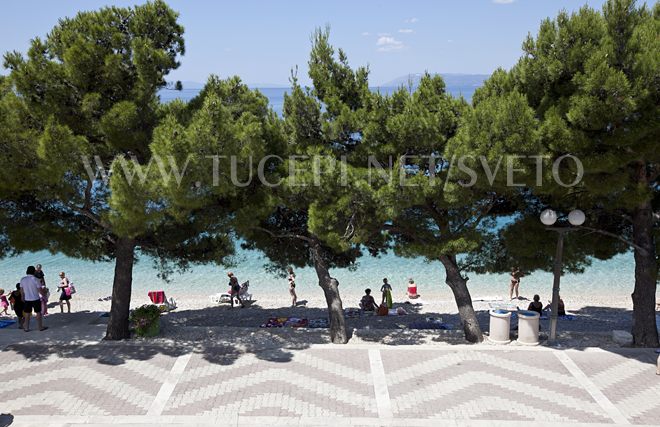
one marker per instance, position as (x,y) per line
(222,335)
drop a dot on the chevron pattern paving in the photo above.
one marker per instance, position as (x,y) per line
(80,381)
(314,383)
(627,380)
(495,385)
(375,385)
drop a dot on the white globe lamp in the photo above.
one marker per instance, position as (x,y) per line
(548,217)
(576,217)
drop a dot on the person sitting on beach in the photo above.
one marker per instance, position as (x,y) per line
(385,290)
(561,308)
(536,305)
(235,289)
(412,289)
(367,303)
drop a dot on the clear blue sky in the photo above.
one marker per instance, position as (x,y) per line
(262,40)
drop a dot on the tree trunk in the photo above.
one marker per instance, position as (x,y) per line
(121,290)
(644,331)
(463,299)
(330,287)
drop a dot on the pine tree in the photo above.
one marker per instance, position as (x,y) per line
(593,82)
(89,91)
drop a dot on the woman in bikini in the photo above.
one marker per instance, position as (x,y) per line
(292,287)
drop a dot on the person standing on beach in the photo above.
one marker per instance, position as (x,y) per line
(292,286)
(31,290)
(41,276)
(65,296)
(515,282)
(386,290)
(235,289)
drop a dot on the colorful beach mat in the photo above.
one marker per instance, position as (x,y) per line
(280,322)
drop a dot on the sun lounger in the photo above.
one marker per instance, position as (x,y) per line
(225,297)
(159,298)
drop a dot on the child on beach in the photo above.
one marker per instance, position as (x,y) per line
(4,304)
(386,290)
(16,301)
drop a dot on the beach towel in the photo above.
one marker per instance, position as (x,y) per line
(274,322)
(425,324)
(318,323)
(295,322)
(388,298)
(5,323)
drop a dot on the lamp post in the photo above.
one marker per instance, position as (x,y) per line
(549,218)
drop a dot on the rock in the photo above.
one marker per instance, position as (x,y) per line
(622,337)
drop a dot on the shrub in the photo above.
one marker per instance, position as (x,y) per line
(146,320)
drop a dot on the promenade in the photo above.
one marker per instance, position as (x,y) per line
(50,380)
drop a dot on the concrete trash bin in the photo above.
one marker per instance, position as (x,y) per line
(500,324)
(528,327)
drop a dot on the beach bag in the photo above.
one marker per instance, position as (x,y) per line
(67,291)
(72,289)
(382,310)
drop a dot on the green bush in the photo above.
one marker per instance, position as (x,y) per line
(146,320)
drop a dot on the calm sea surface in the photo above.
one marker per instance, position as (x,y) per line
(614,277)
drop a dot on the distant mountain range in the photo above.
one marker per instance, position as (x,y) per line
(456,80)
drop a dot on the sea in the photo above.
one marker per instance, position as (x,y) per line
(614,277)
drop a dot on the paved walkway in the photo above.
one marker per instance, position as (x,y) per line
(137,384)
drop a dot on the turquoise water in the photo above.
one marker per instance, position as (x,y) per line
(613,277)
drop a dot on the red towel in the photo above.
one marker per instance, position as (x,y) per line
(157,297)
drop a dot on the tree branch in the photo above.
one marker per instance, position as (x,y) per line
(616,236)
(285,236)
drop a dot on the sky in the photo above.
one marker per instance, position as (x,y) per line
(261,41)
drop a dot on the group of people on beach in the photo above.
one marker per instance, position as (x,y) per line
(536,304)
(32,294)
(368,303)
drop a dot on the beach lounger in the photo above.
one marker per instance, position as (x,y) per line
(225,297)
(159,298)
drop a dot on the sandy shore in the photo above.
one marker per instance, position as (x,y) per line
(198,318)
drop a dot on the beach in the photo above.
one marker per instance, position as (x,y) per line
(197,318)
